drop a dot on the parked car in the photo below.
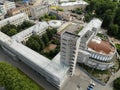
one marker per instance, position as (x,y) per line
(91,86)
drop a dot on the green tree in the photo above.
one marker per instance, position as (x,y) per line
(116,84)
(108,18)
(113,30)
(12,79)
(117,16)
(45,39)
(12,32)
(26,24)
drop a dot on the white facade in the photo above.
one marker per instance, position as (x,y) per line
(38,11)
(16,19)
(91,57)
(39,29)
(3,9)
(53,71)
(9,5)
(69,50)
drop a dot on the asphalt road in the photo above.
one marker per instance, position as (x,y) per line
(27,70)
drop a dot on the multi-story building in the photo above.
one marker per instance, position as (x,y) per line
(1,16)
(9,5)
(85,48)
(2,9)
(38,11)
(16,19)
(69,50)
(37,29)
(93,51)
(21,9)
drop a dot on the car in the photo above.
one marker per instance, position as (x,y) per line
(91,86)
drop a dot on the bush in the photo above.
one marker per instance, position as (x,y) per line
(116,84)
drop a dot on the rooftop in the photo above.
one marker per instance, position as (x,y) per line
(54,68)
(74,3)
(40,26)
(94,23)
(101,46)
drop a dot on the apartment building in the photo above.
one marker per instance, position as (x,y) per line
(16,19)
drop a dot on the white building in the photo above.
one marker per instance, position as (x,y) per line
(69,50)
(9,5)
(2,9)
(16,19)
(93,51)
(38,11)
(1,16)
(82,48)
(53,71)
(39,29)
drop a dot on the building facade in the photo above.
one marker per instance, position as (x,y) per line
(16,19)
(69,50)
(2,9)
(38,11)
(21,9)
(9,5)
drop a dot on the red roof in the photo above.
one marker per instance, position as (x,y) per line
(104,47)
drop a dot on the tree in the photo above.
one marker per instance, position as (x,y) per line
(117,16)
(26,24)
(45,39)
(116,84)
(12,32)
(108,18)
(88,17)
(113,30)
(12,79)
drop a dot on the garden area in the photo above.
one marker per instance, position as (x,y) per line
(77,11)
(12,78)
(102,36)
(118,48)
(11,29)
(47,17)
(46,45)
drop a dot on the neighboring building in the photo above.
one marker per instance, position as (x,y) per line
(12,12)
(73,5)
(9,5)
(32,1)
(21,9)
(1,16)
(2,9)
(38,11)
(16,19)
(38,29)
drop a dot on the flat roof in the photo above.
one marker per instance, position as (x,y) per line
(13,18)
(36,28)
(55,68)
(94,23)
(74,3)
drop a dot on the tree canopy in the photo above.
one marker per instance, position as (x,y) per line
(108,11)
(11,29)
(12,79)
